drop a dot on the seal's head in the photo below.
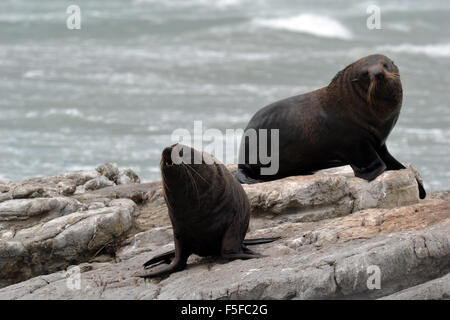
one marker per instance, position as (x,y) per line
(378,77)
(375,80)
(186,173)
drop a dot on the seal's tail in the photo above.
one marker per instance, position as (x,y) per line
(243,178)
(252,242)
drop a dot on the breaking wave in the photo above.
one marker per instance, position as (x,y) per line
(321,26)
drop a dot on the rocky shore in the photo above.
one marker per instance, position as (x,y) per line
(85,234)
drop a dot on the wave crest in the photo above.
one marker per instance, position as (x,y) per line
(321,26)
(431,50)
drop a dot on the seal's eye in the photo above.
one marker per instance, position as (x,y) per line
(385,65)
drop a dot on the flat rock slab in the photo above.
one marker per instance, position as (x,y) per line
(326,194)
(25,209)
(103,224)
(437,289)
(328,259)
(53,245)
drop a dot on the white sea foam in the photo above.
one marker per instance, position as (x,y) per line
(401,6)
(431,50)
(79,166)
(33,74)
(28,17)
(71,113)
(317,25)
(398,27)
(193,3)
(68,112)
(435,134)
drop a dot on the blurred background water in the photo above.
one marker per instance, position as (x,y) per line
(138,69)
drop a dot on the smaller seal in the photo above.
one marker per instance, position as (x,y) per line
(208,208)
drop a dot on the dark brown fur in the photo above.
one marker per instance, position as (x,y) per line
(209,211)
(345,123)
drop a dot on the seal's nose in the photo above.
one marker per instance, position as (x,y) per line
(379,75)
(376,72)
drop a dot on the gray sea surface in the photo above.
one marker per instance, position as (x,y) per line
(116,89)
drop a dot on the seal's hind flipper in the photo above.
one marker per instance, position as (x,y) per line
(243,178)
(394,164)
(252,242)
(422,192)
(161,258)
(242,255)
(177,264)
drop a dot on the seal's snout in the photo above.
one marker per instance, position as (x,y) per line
(167,156)
(172,155)
(376,72)
(379,75)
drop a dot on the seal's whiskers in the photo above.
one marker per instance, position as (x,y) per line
(371,91)
(192,180)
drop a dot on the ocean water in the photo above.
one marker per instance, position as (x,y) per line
(139,69)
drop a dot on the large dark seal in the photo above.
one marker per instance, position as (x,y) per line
(346,122)
(208,208)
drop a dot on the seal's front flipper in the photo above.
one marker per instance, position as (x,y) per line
(366,163)
(393,164)
(390,162)
(161,258)
(178,264)
(252,242)
(243,178)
